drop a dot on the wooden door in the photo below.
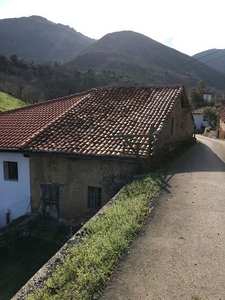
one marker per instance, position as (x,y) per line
(50,201)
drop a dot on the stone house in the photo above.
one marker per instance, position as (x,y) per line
(68,156)
(208,99)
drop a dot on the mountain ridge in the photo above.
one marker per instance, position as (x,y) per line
(131,55)
(146,59)
(37,39)
(216,59)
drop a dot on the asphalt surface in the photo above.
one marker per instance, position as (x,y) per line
(180,254)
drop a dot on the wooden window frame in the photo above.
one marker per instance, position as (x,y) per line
(94,197)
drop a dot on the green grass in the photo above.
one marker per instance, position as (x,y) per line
(90,263)
(8,102)
(25,258)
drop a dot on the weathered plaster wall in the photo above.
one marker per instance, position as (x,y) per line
(222,129)
(183,126)
(14,194)
(199,121)
(76,175)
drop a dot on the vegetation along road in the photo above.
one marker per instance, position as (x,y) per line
(180,254)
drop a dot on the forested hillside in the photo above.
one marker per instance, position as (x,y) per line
(36,82)
(146,60)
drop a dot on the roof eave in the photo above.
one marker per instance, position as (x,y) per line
(5,149)
(81,156)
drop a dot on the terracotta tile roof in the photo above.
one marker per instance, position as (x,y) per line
(18,126)
(91,123)
(198,111)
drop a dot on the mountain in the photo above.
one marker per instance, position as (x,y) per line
(146,60)
(124,57)
(37,39)
(214,58)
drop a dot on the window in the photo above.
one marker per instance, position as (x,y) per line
(10,170)
(94,197)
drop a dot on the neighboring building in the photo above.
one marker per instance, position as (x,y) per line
(208,100)
(70,155)
(221,122)
(199,121)
(14,185)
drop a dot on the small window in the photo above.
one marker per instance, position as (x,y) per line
(10,170)
(94,197)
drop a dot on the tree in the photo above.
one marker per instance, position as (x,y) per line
(195,98)
(196,94)
(201,88)
(14,58)
(210,115)
(31,94)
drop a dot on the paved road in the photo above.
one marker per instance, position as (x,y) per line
(180,255)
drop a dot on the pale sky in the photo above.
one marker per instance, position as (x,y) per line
(189,26)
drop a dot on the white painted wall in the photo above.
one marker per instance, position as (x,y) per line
(14,195)
(198,120)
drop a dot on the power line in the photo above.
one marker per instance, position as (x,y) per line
(195,60)
(205,63)
(214,59)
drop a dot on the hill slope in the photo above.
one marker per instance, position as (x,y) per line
(146,60)
(37,39)
(214,58)
(37,82)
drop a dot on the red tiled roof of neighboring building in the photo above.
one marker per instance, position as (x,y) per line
(90,123)
(20,125)
(198,111)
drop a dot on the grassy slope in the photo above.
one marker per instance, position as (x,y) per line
(90,264)
(8,102)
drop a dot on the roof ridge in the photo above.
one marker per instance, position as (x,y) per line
(171,86)
(44,102)
(49,124)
